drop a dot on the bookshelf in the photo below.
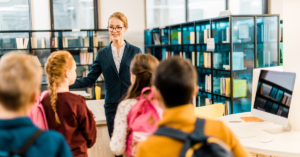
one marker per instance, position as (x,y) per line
(242,43)
(82,44)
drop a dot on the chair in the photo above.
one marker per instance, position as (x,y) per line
(210,111)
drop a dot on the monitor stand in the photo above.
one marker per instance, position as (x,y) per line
(279,129)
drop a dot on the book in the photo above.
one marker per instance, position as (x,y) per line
(90,92)
(199,101)
(86,42)
(243,31)
(179,38)
(197,38)
(198,59)
(97,92)
(156,39)
(251,119)
(227,93)
(95,41)
(217,60)
(238,58)
(216,84)
(26,40)
(227,34)
(208,101)
(43,43)
(184,55)
(239,88)
(180,54)
(193,58)
(206,35)
(226,108)
(192,37)
(33,43)
(54,43)
(19,42)
(65,42)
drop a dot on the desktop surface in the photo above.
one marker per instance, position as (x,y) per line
(283,143)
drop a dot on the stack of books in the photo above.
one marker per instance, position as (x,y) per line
(86,58)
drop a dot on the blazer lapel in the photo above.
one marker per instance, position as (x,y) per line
(110,58)
(127,52)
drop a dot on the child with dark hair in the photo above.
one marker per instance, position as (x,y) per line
(174,86)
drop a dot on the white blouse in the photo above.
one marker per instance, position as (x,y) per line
(118,140)
(117,58)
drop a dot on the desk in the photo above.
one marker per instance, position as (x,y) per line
(101,147)
(285,144)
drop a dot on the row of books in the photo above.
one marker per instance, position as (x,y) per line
(22,43)
(86,58)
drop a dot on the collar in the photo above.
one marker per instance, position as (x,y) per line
(179,117)
(16,122)
(114,48)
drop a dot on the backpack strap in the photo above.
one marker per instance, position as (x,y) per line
(28,143)
(187,139)
(172,133)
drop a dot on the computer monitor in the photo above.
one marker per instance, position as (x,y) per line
(273,95)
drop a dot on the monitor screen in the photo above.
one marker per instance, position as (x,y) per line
(274,92)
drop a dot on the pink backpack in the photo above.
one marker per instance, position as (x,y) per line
(142,121)
(37,113)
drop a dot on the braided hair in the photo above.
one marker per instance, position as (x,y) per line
(57,65)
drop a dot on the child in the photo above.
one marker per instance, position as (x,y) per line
(141,68)
(174,86)
(67,113)
(20,82)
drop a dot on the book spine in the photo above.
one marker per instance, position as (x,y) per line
(192,37)
(179,38)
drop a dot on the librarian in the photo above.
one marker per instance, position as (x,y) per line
(113,61)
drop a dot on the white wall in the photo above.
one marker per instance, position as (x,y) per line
(291,54)
(276,7)
(135,13)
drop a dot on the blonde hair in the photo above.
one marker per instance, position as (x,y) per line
(57,65)
(121,17)
(20,77)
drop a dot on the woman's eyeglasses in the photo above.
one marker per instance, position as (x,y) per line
(118,29)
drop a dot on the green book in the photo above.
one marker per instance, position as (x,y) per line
(239,88)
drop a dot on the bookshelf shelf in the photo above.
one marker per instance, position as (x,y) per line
(13,49)
(252,41)
(84,41)
(221,70)
(204,91)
